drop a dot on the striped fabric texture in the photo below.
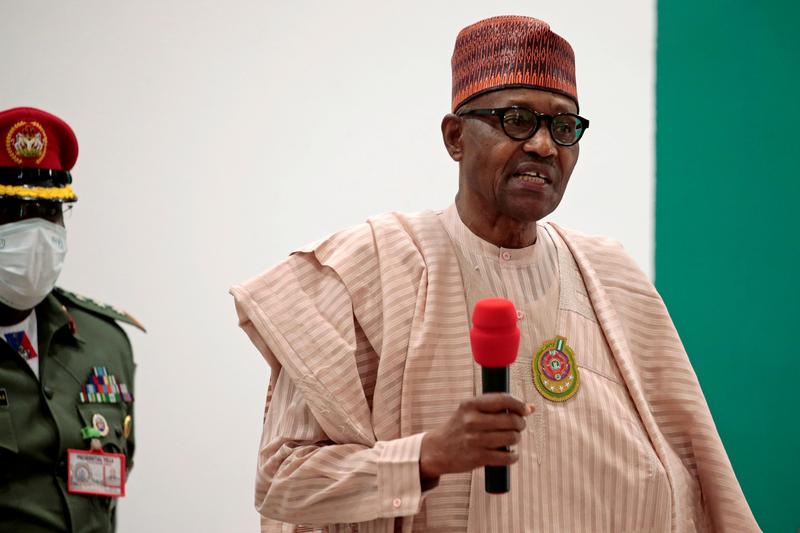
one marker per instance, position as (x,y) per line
(367,336)
(585,464)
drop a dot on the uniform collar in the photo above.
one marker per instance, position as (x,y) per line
(53,316)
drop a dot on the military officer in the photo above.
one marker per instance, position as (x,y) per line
(66,367)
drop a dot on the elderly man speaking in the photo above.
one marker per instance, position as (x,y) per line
(376,421)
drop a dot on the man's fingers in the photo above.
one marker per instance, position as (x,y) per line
(497,439)
(502,421)
(496,402)
(500,458)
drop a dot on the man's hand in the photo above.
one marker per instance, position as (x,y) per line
(472,436)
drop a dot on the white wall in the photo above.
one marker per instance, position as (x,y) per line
(200,165)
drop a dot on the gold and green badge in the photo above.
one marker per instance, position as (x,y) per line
(555,373)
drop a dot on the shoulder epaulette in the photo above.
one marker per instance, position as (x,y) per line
(97,307)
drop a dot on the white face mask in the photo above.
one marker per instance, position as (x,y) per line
(31,255)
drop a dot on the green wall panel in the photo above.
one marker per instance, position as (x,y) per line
(727,243)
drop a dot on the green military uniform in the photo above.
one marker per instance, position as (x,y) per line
(82,397)
(41,418)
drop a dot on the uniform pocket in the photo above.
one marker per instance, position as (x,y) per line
(8,440)
(113,414)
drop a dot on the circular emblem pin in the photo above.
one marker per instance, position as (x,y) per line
(555,373)
(99,423)
(26,142)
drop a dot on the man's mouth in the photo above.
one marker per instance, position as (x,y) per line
(532,177)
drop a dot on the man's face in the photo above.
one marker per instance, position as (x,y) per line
(505,178)
(12,210)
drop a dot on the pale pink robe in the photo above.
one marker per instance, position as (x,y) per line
(367,336)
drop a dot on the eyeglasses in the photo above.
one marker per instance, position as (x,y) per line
(13,211)
(521,123)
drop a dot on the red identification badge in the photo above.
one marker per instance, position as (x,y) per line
(96,473)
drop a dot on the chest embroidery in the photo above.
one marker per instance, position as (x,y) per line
(555,373)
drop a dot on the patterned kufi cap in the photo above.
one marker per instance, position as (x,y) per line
(508,52)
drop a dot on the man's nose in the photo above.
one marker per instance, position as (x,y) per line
(541,143)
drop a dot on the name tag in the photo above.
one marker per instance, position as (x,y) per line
(95,472)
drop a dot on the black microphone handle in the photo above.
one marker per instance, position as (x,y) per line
(498,480)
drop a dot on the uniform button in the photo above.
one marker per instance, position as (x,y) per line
(396,503)
(505,256)
(520,315)
(48,392)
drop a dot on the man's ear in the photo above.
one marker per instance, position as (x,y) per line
(452,127)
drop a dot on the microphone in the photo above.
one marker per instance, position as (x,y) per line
(495,340)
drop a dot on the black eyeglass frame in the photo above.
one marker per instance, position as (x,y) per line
(15,210)
(500,113)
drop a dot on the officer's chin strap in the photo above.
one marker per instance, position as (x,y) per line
(93,435)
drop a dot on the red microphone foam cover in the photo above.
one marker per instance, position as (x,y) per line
(494,334)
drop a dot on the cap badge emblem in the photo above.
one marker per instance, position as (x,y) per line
(26,142)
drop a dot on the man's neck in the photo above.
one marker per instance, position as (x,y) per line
(10,316)
(495,228)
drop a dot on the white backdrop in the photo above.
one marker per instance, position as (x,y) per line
(217,136)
